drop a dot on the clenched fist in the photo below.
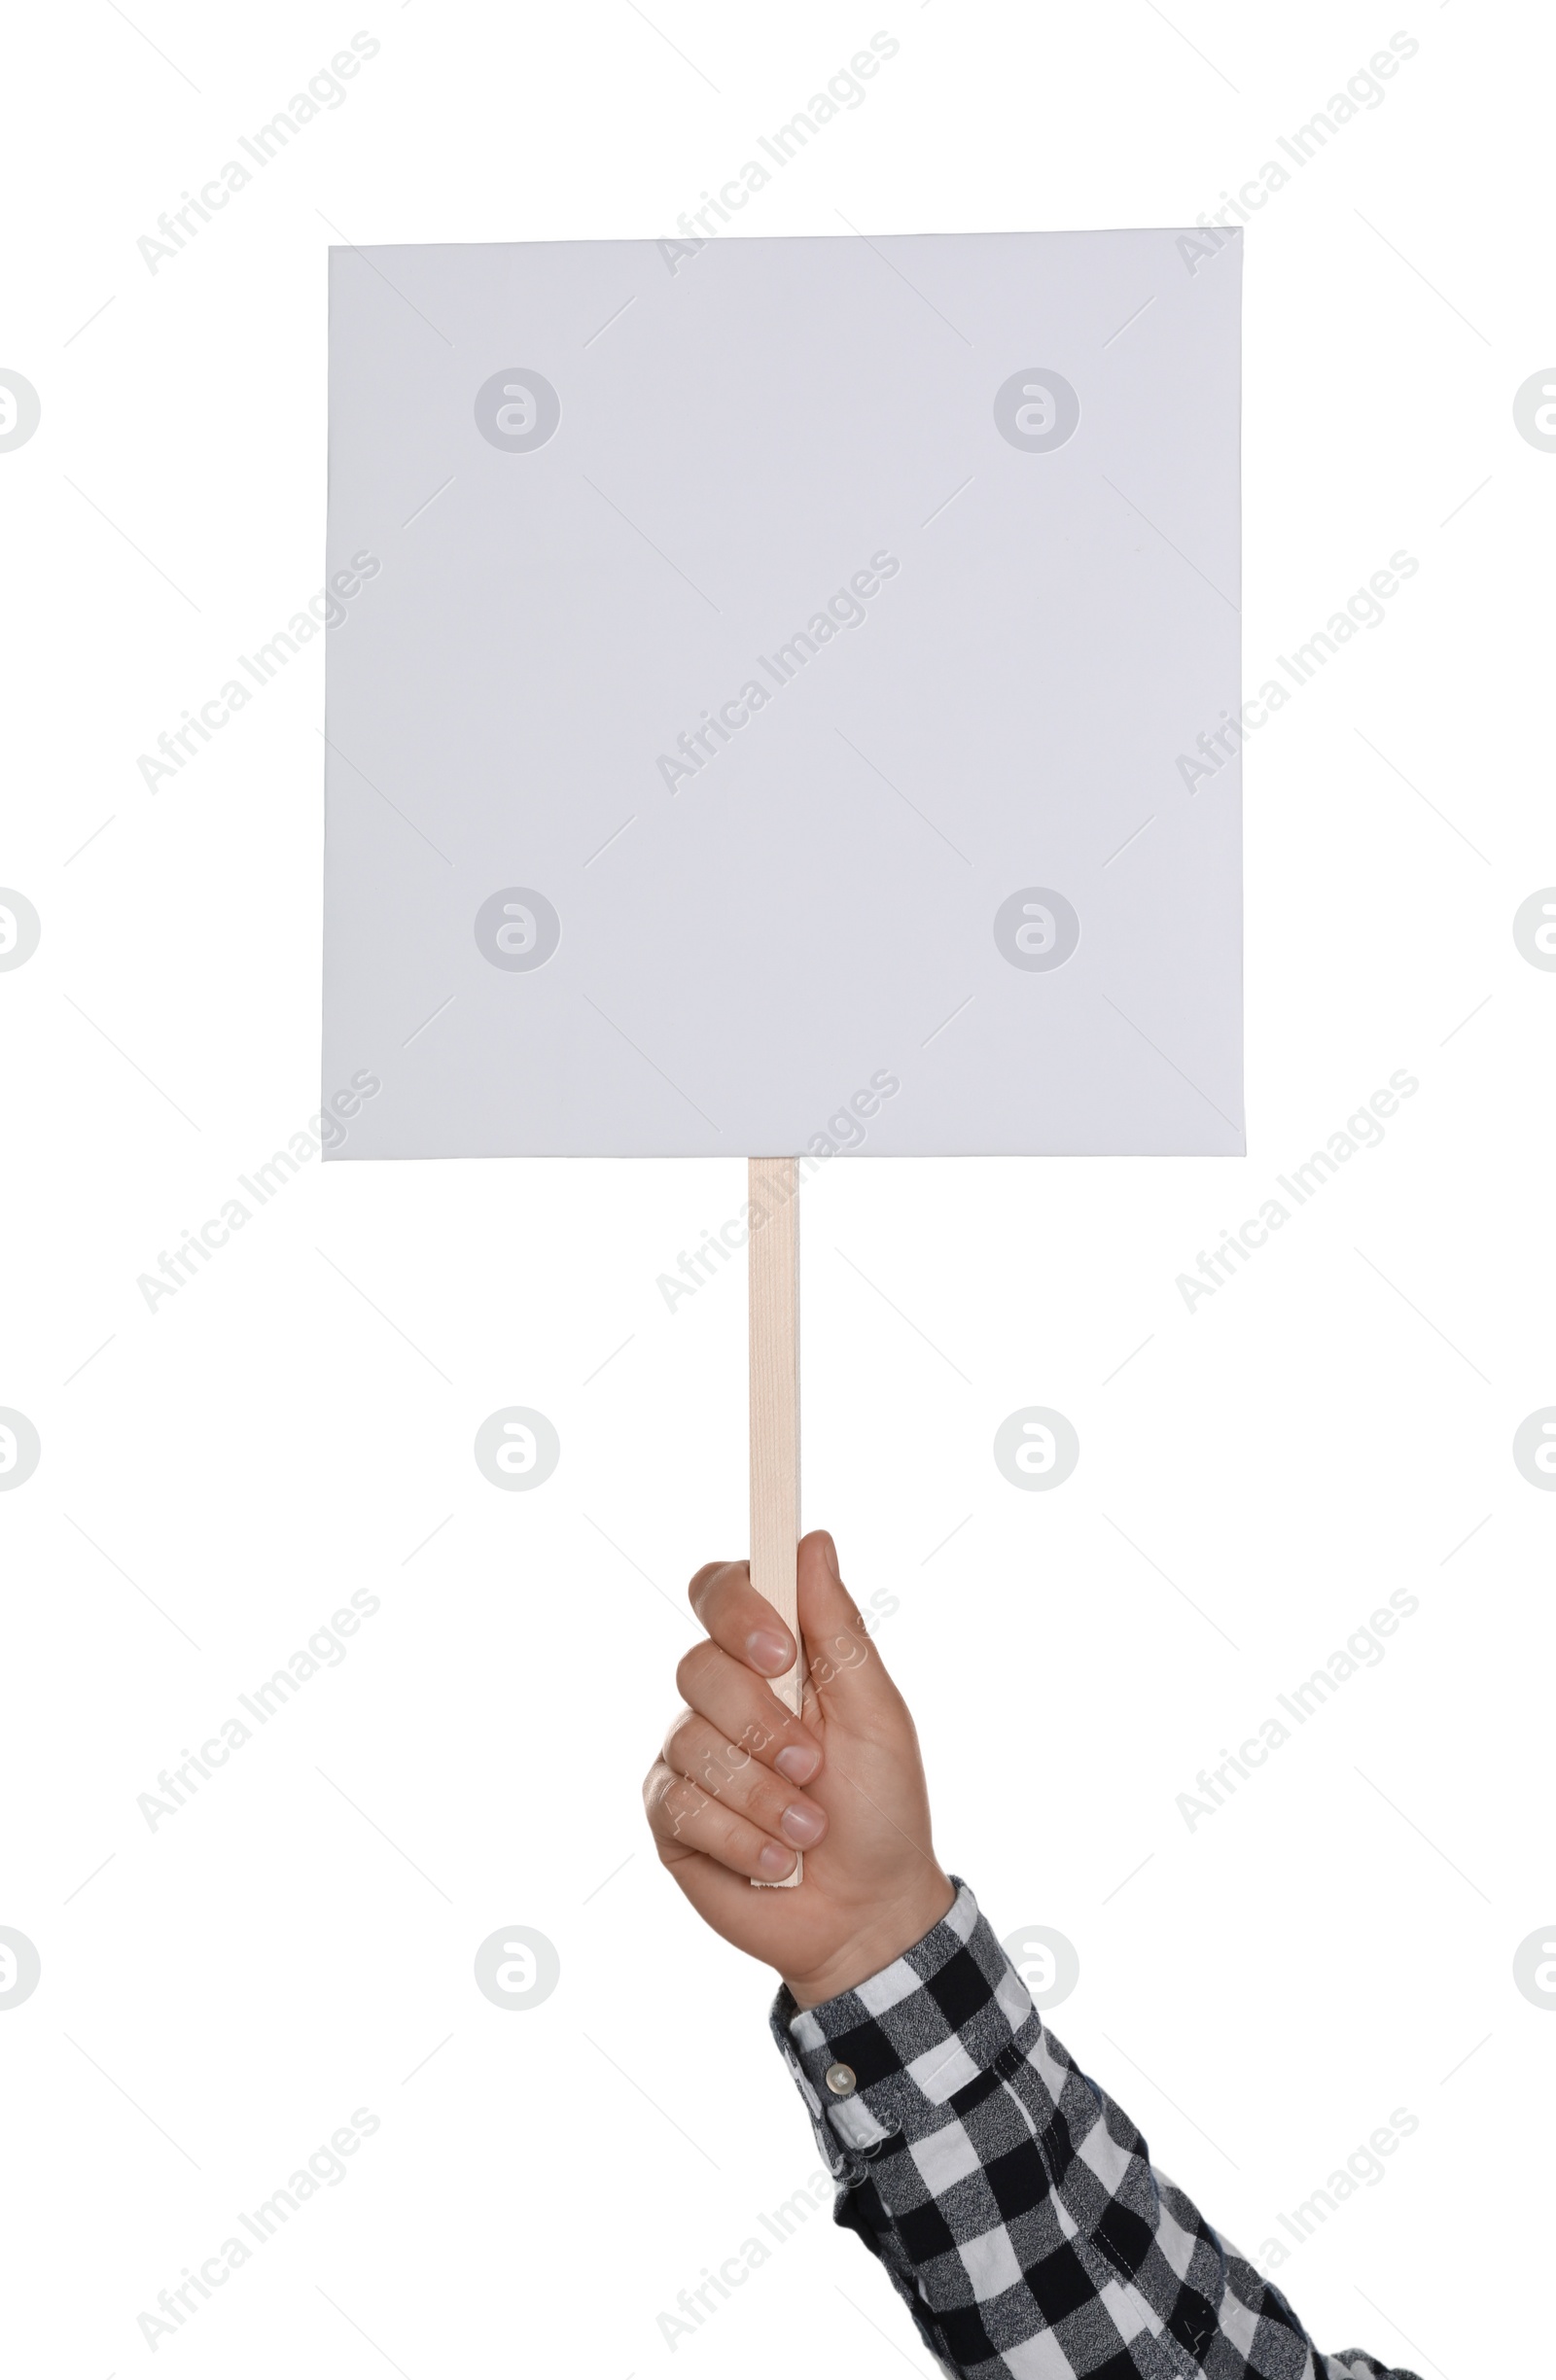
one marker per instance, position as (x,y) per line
(741,1784)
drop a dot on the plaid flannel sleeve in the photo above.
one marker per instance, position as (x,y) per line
(1013,2205)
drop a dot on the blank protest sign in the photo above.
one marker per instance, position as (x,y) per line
(776,679)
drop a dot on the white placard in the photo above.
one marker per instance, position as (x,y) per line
(784,674)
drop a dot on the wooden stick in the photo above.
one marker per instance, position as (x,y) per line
(773,1183)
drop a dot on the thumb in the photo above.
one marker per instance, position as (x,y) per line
(844,1665)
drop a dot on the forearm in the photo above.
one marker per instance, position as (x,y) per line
(1014,2204)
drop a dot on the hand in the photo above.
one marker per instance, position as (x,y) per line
(741,1783)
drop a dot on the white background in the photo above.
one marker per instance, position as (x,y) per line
(1331,1425)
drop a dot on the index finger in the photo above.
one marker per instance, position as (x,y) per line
(740,1620)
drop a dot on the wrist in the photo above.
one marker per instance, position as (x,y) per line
(882,1938)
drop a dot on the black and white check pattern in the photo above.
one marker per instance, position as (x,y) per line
(1015,2206)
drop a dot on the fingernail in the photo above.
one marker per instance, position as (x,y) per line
(802,1826)
(797,1762)
(768,1650)
(774,1860)
(831,1556)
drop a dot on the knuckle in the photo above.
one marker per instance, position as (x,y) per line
(686,1747)
(680,1801)
(711,1585)
(761,1735)
(676,1739)
(694,1666)
(737,1842)
(713,1763)
(775,1799)
(656,1785)
(758,1795)
(697,1585)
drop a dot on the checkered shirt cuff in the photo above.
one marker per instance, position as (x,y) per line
(1013,2205)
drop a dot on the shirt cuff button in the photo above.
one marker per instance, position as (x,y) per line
(841,2080)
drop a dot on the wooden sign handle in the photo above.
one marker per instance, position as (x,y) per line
(773,1184)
